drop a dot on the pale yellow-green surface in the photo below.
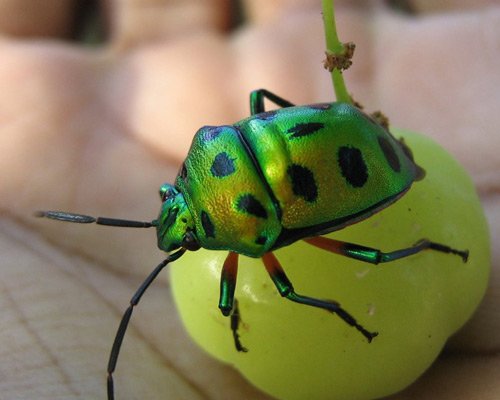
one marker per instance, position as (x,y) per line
(415,304)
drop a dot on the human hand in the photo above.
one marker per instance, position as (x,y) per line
(97,131)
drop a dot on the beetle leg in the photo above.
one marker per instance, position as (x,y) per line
(375,256)
(228,283)
(257,101)
(285,289)
(235,323)
(227,303)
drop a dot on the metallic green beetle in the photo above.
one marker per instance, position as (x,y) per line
(270,180)
(280,176)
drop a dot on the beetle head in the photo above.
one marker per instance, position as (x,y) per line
(175,226)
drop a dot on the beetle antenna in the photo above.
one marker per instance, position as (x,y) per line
(86,219)
(120,333)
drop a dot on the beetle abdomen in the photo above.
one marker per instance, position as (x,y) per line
(333,170)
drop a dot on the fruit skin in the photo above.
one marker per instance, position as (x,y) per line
(415,304)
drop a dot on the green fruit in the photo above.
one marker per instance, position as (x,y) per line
(416,304)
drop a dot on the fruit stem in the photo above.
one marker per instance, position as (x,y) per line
(335,50)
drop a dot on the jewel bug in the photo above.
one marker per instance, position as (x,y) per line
(265,182)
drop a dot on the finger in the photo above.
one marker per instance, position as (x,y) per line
(449,99)
(457,377)
(62,153)
(480,335)
(138,21)
(263,11)
(60,313)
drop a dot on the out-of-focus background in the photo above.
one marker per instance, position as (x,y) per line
(99,101)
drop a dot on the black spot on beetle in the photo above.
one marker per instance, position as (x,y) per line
(183,172)
(320,106)
(261,240)
(304,129)
(352,166)
(211,132)
(250,205)
(222,166)
(303,183)
(389,153)
(207,225)
(266,115)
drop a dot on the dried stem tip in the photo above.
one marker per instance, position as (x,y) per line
(340,61)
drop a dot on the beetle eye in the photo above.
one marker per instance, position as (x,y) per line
(166,193)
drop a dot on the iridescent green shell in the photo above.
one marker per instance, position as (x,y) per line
(283,175)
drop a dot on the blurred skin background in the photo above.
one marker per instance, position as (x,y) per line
(98,105)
